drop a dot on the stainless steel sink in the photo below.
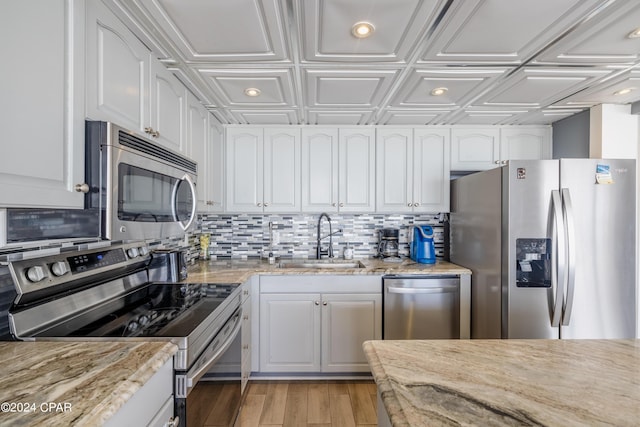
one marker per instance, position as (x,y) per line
(321,264)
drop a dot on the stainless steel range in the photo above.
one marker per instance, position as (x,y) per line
(105,294)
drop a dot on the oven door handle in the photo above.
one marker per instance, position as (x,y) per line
(193,377)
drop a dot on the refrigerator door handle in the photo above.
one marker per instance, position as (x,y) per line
(567,209)
(558,267)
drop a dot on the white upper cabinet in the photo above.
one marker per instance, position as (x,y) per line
(129,87)
(338,169)
(42,113)
(413,170)
(485,148)
(117,71)
(525,143)
(282,170)
(263,169)
(319,169)
(356,170)
(211,170)
(244,169)
(168,99)
(197,142)
(475,148)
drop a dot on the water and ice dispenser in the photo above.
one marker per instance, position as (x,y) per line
(533,263)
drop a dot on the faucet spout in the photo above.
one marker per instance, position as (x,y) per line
(319,251)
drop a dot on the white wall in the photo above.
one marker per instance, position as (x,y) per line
(613,132)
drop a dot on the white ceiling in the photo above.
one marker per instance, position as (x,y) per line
(502,61)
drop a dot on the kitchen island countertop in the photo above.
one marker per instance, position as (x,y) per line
(238,271)
(87,382)
(508,382)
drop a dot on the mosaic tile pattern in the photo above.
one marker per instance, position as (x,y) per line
(247,236)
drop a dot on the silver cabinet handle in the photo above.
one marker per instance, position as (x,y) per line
(266,205)
(410,204)
(497,162)
(324,303)
(148,130)
(82,188)
(416,204)
(173,422)
(155,134)
(259,204)
(341,205)
(430,290)
(317,302)
(333,204)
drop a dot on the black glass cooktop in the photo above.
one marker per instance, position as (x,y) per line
(155,310)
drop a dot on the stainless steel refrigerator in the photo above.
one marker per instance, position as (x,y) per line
(552,248)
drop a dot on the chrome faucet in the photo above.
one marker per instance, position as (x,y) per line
(329,251)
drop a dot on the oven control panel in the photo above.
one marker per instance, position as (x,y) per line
(91,261)
(35,277)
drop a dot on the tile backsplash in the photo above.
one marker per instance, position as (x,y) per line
(247,236)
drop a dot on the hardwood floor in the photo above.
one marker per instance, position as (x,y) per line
(309,403)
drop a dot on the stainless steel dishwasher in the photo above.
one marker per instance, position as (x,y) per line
(421,307)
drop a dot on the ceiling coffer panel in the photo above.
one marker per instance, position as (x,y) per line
(223,30)
(275,87)
(326,29)
(266,117)
(499,31)
(539,87)
(444,88)
(339,117)
(622,87)
(603,39)
(349,88)
(412,117)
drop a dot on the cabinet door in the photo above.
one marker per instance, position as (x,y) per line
(320,170)
(524,143)
(42,114)
(289,332)
(245,339)
(167,102)
(282,170)
(394,170)
(431,170)
(213,169)
(117,71)
(475,149)
(356,177)
(197,141)
(347,321)
(244,169)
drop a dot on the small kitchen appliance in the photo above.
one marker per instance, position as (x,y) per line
(388,245)
(422,248)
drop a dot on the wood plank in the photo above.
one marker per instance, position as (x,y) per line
(318,409)
(258,387)
(298,387)
(341,411)
(338,387)
(363,410)
(225,407)
(201,401)
(295,414)
(275,403)
(251,410)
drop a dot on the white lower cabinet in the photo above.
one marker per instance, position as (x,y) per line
(245,339)
(318,323)
(151,405)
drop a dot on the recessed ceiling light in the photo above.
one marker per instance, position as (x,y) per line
(252,91)
(362,29)
(624,91)
(439,91)
(634,34)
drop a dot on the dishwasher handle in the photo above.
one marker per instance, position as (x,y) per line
(423,290)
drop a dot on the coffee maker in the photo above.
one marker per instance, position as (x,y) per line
(388,244)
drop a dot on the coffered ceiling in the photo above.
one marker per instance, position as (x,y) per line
(496,61)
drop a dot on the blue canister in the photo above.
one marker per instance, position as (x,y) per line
(422,248)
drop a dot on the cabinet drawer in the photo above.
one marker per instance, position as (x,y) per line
(322,283)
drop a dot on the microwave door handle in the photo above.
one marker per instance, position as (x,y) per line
(174,201)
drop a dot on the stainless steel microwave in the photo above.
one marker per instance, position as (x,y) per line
(142,190)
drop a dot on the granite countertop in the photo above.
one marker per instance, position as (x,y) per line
(238,271)
(508,382)
(87,382)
